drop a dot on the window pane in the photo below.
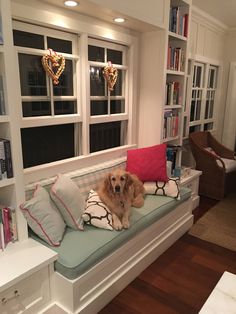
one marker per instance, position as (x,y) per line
(98,107)
(117,106)
(192,110)
(30,40)
(107,135)
(97,83)
(64,107)
(65,86)
(96,54)
(32,76)
(114,56)
(198,110)
(41,145)
(207,109)
(59,45)
(208,126)
(195,128)
(198,77)
(117,89)
(36,108)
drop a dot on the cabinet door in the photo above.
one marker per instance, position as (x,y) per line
(28,296)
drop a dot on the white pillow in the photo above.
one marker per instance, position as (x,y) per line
(69,201)
(96,213)
(43,217)
(169,188)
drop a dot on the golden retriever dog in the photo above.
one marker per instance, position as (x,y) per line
(119,191)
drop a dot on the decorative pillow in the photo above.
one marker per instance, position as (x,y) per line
(96,213)
(69,201)
(211,150)
(43,217)
(170,188)
(148,163)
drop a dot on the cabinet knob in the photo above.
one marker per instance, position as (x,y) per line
(15,295)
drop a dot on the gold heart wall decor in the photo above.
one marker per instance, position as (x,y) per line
(54,65)
(110,74)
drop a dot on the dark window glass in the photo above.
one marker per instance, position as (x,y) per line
(98,107)
(194,128)
(32,76)
(65,86)
(198,77)
(208,126)
(117,89)
(207,109)
(30,40)
(60,45)
(192,110)
(105,136)
(117,106)
(64,107)
(114,56)
(97,84)
(96,53)
(36,108)
(42,145)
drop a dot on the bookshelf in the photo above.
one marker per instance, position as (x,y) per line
(176,74)
(11,189)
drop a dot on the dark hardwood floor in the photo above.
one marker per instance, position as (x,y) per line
(180,280)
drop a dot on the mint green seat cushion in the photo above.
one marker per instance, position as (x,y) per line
(80,250)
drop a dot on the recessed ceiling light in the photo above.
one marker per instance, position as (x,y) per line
(119,20)
(71,3)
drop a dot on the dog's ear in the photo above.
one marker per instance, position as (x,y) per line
(107,182)
(129,180)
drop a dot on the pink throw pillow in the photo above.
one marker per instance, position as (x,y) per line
(148,163)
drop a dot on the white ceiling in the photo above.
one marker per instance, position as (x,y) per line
(222,10)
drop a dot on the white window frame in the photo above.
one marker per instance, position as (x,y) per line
(204,88)
(110,117)
(27,122)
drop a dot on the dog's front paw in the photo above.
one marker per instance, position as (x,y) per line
(125,223)
(117,225)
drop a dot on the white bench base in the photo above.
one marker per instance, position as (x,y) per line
(90,292)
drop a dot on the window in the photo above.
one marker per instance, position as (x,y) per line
(52,120)
(202,106)
(108,112)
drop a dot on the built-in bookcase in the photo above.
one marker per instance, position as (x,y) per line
(11,189)
(176,73)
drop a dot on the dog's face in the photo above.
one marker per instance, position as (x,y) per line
(119,180)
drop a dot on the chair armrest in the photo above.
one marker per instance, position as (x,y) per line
(220,149)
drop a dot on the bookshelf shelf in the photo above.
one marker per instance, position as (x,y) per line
(7,182)
(4,118)
(168,107)
(177,36)
(173,72)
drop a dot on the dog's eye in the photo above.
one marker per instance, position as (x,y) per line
(113,178)
(122,178)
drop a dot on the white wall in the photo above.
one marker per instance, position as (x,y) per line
(152,87)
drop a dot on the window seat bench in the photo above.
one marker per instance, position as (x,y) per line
(94,265)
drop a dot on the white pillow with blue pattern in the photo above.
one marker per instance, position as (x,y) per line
(96,212)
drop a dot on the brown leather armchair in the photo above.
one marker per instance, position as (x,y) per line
(217,164)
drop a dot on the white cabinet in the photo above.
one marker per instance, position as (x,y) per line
(192,182)
(27,296)
(25,277)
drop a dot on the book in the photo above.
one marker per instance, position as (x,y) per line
(2,99)
(3,169)
(2,240)
(6,224)
(13,225)
(8,157)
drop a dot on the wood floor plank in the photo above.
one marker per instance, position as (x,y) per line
(180,280)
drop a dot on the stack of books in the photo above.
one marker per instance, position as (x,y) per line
(172,93)
(175,59)
(8,226)
(178,22)
(6,169)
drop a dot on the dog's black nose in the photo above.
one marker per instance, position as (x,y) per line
(117,188)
